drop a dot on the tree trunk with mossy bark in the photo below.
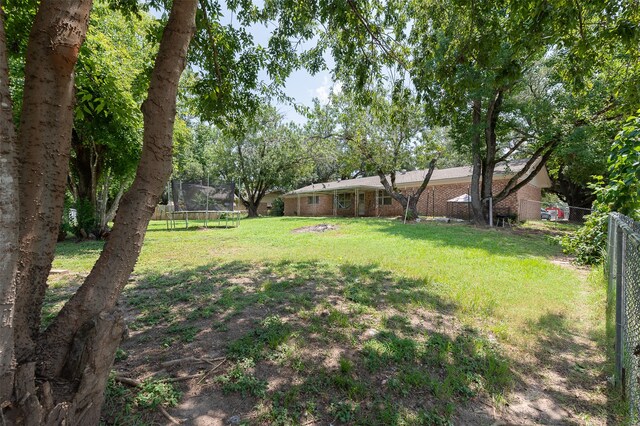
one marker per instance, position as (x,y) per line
(60,374)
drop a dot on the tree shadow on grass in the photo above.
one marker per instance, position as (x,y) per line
(573,369)
(493,241)
(313,343)
(307,341)
(69,248)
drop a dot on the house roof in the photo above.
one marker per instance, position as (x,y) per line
(415,177)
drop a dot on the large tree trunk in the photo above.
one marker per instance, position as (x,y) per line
(111,213)
(489,160)
(252,209)
(44,143)
(252,203)
(84,167)
(98,295)
(476,166)
(73,357)
(9,224)
(87,169)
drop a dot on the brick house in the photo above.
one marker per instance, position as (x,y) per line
(366,196)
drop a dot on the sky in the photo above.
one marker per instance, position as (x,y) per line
(301,86)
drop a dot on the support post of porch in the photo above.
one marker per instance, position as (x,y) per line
(355,204)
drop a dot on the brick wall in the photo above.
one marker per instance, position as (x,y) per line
(433,201)
(323,208)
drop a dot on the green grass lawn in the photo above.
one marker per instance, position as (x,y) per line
(492,276)
(360,319)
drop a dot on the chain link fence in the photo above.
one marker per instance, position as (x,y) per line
(623,306)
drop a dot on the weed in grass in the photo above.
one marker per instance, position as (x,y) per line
(437,350)
(221,326)
(152,315)
(271,333)
(241,379)
(385,413)
(360,309)
(344,411)
(386,347)
(202,312)
(288,354)
(338,319)
(285,409)
(279,416)
(361,293)
(157,392)
(346,365)
(121,355)
(470,363)
(136,406)
(118,403)
(500,330)
(397,322)
(186,333)
(436,417)
(410,379)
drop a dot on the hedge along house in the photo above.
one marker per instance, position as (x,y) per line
(366,196)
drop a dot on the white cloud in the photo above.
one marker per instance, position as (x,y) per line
(324,91)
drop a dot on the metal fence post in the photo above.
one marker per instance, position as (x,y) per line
(610,250)
(619,376)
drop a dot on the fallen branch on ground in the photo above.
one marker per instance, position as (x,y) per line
(168,416)
(190,359)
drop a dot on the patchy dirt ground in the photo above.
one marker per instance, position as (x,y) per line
(323,227)
(305,343)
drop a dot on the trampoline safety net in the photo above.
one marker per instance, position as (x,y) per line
(198,196)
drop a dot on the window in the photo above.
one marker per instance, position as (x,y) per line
(313,199)
(344,201)
(384,199)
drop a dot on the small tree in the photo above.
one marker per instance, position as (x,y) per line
(386,136)
(261,154)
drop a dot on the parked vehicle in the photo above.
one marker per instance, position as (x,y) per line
(545,215)
(560,212)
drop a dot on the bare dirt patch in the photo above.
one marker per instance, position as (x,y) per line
(323,227)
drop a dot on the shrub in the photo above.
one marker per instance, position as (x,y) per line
(85,218)
(619,193)
(589,243)
(277,207)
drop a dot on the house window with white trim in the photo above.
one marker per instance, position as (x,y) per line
(384,199)
(313,199)
(344,201)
